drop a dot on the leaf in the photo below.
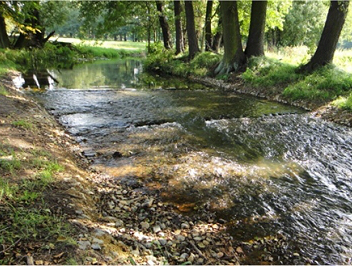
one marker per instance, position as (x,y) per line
(61,239)
(58,256)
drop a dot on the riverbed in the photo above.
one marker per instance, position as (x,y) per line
(266,168)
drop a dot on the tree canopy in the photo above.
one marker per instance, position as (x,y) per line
(196,25)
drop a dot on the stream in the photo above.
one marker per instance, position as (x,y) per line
(265,167)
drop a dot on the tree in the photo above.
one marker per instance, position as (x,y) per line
(208,34)
(164,25)
(330,36)
(234,58)
(180,46)
(217,37)
(4,38)
(255,42)
(191,31)
(304,23)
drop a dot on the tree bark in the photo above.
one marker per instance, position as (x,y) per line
(191,31)
(218,37)
(180,46)
(234,58)
(330,36)
(164,26)
(4,38)
(208,33)
(255,42)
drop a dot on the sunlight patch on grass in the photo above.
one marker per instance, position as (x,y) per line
(136,46)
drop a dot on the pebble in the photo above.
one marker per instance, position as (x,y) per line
(156,229)
(145,225)
(83,244)
(97,241)
(185,226)
(119,223)
(162,241)
(96,246)
(180,238)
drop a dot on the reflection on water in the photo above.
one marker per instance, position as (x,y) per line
(265,167)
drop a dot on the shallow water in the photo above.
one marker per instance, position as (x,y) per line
(265,167)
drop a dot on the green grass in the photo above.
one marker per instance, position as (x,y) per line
(62,56)
(3,91)
(322,86)
(268,72)
(119,45)
(25,216)
(23,124)
(325,84)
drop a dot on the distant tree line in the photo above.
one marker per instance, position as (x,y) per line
(240,28)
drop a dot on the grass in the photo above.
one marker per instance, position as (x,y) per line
(62,56)
(119,45)
(23,124)
(324,85)
(3,91)
(24,214)
(277,72)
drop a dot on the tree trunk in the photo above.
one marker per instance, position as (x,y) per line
(255,42)
(180,46)
(218,37)
(164,25)
(34,37)
(234,58)
(208,34)
(4,38)
(191,31)
(330,36)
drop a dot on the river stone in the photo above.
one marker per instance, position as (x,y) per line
(83,244)
(99,232)
(96,246)
(156,229)
(184,256)
(191,258)
(119,223)
(180,238)
(145,225)
(97,241)
(162,241)
(185,226)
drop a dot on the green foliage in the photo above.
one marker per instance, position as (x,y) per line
(6,190)
(325,84)
(344,102)
(159,60)
(267,72)
(59,56)
(203,63)
(164,61)
(304,23)
(99,52)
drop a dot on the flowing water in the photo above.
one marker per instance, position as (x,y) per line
(267,168)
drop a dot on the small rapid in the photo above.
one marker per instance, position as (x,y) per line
(264,167)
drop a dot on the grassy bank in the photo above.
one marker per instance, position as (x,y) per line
(63,54)
(276,73)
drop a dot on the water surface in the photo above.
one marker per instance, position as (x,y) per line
(267,168)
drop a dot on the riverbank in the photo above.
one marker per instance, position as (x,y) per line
(326,111)
(56,210)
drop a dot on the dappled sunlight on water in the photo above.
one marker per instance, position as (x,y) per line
(264,167)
